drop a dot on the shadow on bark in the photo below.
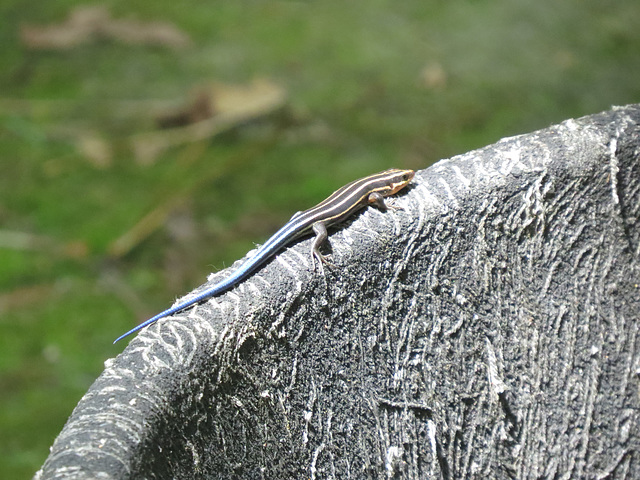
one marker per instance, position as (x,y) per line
(487,329)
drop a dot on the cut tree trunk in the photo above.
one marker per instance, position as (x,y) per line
(487,328)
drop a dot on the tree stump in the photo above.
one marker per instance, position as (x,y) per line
(485,328)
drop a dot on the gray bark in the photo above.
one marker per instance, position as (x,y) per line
(487,329)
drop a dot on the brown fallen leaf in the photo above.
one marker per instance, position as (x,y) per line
(433,76)
(201,108)
(150,33)
(216,109)
(95,149)
(90,23)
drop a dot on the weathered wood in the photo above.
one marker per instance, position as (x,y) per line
(488,329)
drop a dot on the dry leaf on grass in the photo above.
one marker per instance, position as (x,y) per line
(95,149)
(214,110)
(433,76)
(201,108)
(89,23)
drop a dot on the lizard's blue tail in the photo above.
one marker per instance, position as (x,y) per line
(144,324)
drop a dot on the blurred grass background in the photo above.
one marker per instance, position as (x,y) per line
(369,86)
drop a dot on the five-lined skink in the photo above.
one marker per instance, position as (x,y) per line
(341,204)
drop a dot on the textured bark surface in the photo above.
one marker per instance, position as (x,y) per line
(488,329)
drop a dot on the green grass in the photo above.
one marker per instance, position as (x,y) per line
(353,73)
